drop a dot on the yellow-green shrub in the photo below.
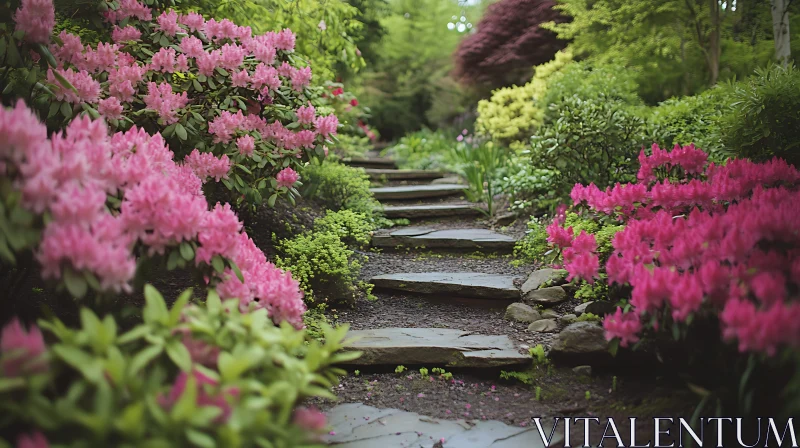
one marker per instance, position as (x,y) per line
(512,113)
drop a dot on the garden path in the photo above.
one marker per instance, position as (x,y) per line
(448,297)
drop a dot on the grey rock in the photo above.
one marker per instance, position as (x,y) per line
(448,238)
(567,319)
(521,313)
(550,296)
(543,326)
(580,309)
(356,425)
(457,284)
(583,370)
(601,308)
(540,277)
(430,211)
(550,314)
(434,346)
(390,174)
(416,191)
(448,180)
(583,340)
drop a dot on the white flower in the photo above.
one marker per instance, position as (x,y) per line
(322,25)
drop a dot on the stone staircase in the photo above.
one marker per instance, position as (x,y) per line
(435,346)
(444,224)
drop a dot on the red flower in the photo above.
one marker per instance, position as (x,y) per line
(354,102)
(338,91)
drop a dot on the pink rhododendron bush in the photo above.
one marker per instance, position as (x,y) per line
(191,375)
(238,106)
(101,201)
(700,240)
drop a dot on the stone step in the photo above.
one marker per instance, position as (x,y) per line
(371,162)
(458,239)
(416,191)
(430,211)
(380,174)
(356,425)
(456,284)
(433,347)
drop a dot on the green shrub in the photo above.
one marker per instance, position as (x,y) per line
(594,140)
(764,119)
(340,187)
(353,228)
(603,232)
(694,119)
(530,188)
(239,385)
(424,150)
(533,246)
(352,145)
(326,269)
(580,80)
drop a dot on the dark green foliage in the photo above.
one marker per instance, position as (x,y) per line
(764,120)
(533,246)
(339,187)
(694,119)
(589,141)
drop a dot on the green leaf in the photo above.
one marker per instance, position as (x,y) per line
(76,283)
(213,302)
(155,309)
(272,199)
(66,109)
(172,261)
(141,359)
(613,346)
(197,86)
(186,404)
(7,384)
(187,252)
(180,131)
(200,439)
(236,270)
(177,307)
(131,421)
(80,361)
(218,263)
(179,354)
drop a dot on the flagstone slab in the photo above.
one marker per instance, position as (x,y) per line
(416,191)
(388,174)
(430,211)
(434,347)
(371,162)
(356,425)
(445,238)
(458,284)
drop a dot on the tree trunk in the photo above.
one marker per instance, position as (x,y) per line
(780,30)
(714,40)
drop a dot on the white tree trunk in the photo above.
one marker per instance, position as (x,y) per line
(780,30)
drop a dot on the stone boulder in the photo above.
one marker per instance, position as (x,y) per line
(580,309)
(543,326)
(581,343)
(550,314)
(541,277)
(601,308)
(567,319)
(520,312)
(550,296)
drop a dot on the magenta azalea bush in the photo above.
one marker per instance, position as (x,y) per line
(699,238)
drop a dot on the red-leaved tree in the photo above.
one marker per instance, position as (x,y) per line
(508,42)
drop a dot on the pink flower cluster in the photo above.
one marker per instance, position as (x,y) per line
(71,175)
(161,99)
(36,18)
(718,239)
(22,351)
(287,177)
(207,394)
(205,165)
